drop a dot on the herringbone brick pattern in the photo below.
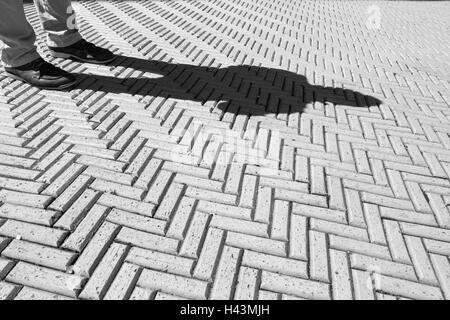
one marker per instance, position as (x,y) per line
(238,149)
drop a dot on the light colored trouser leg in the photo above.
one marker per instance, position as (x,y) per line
(58,20)
(16,35)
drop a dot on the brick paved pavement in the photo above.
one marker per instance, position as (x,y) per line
(239,149)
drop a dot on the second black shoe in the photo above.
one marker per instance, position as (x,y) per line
(43,75)
(83,51)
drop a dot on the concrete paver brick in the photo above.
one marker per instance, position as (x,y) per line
(160,261)
(191,244)
(147,240)
(5,267)
(276,264)
(437,247)
(122,286)
(318,256)
(224,210)
(126,204)
(407,289)
(103,275)
(32,232)
(259,155)
(45,279)
(93,252)
(347,244)
(247,284)
(8,291)
(442,269)
(225,273)
(141,294)
(340,275)
(75,213)
(177,285)
(39,254)
(240,226)
(86,229)
(294,286)
(420,260)
(209,254)
(22,198)
(280,220)
(136,221)
(178,224)
(244,241)
(27,293)
(28,214)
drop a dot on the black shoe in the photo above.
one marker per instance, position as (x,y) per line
(83,51)
(43,75)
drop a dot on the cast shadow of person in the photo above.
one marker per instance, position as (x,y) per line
(241,89)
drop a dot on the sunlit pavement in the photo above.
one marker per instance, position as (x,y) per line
(244,149)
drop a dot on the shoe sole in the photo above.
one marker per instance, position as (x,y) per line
(71,56)
(63,87)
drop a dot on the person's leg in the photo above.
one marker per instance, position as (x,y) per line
(58,20)
(16,35)
(19,56)
(64,40)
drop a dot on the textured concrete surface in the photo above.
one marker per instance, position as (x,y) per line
(238,149)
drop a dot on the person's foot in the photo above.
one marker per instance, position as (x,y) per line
(83,51)
(43,75)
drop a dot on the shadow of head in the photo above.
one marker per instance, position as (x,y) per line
(242,89)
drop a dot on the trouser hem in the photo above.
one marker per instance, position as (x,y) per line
(63,41)
(22,60)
